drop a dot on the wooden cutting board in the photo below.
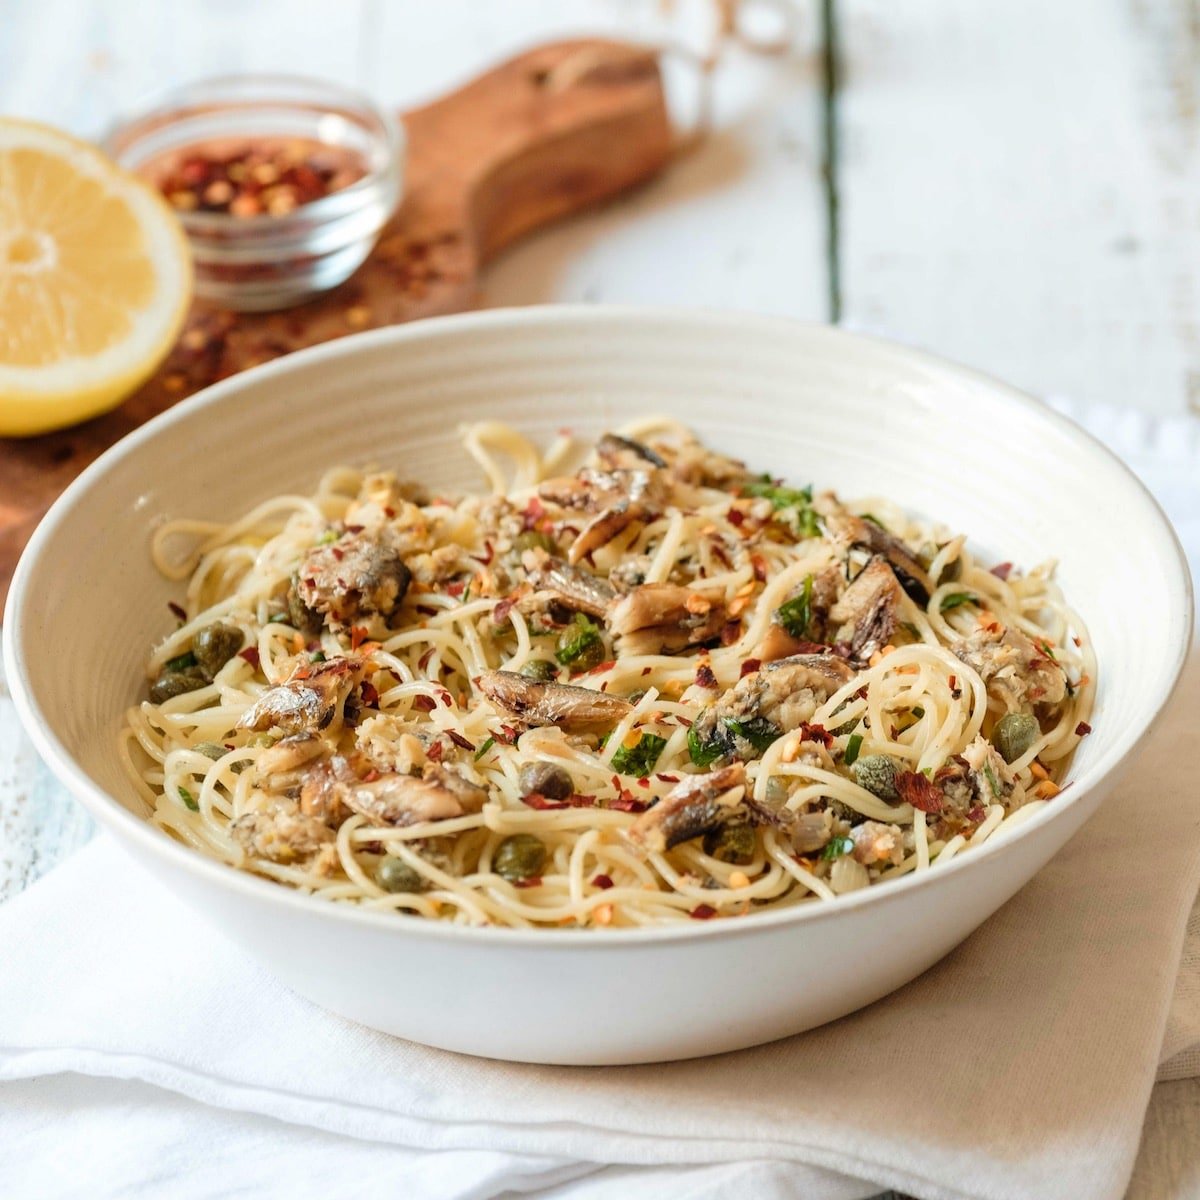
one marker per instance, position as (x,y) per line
(553,131)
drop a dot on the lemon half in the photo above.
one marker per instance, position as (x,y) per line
(95,279)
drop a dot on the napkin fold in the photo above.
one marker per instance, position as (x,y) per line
(1018,1067)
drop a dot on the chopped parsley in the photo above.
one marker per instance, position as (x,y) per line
(956,599)
(639,759)
(837,847)
(991,778)
(793,504)
(316,656)
(853,746)
(702,753)
(758,731)
(578,641)
(487,745)
(181,663)
(189,799)
(795,614)
(328,538)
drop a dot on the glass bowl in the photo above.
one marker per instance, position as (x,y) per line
(272,260)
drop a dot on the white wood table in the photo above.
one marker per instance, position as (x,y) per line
(1015,186)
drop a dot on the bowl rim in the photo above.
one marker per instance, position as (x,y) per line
(111,814)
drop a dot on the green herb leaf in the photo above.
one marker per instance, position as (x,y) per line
(795,614)
(853,746)
(873,519)
(316,656)
(758,731)
(328,537)
(189,799)
(955,599)
(793,504)
(703,753)
(487,745)
(991,778)
(639,760)
(838,847)
(576,640)
(181,663)
(1045,649)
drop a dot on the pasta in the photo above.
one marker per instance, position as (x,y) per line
(654,688)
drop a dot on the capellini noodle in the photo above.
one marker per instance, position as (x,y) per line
(774,683)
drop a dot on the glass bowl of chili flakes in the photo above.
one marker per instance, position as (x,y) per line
(282,183)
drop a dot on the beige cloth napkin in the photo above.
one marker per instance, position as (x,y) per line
(1019,1067)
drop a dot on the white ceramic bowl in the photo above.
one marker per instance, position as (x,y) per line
(807,402)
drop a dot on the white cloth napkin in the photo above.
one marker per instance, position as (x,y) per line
(145,1054)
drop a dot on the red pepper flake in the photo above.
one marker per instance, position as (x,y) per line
(369,693)
(487,556)
(250,654)
(533,512)
(501,611)
(456,588)
(337,552)
(976,814)
(730,632)
(627,802)
(435,751)
(680,720)
(702,912)
(749,667)
(815,733)
(705,677)
(1082,729)
(358,635)
(427,610)
(1077,641)
(953,681)
(545,804)
(508,735)
(599,668)
(667,778)
(719,553)
(760,567)
(389,512)
(355,528)
(423,703)
(647,670)
(532,881)
(736,517)
(458,739)
(423,661)
(178,610)
(445,697)
(603,882)
(643,782)
(921,793)
(1002,570)
(370,776)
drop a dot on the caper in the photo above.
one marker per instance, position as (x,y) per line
(174,683)
(734,842)
(1014,734)
(541,669)
(521,856)
(215,645)
(534,539)
(583,652)
(213,750)
(876,773)
(395,875)
(547,779)
(301,618)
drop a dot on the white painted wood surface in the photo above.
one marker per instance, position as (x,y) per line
(1017,186)
(1020,189)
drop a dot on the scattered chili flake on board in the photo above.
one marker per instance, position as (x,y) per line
(702,912)
(1082,729)
(250,654)
(918,791)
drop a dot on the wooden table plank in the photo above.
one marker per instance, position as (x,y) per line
(1018,189)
